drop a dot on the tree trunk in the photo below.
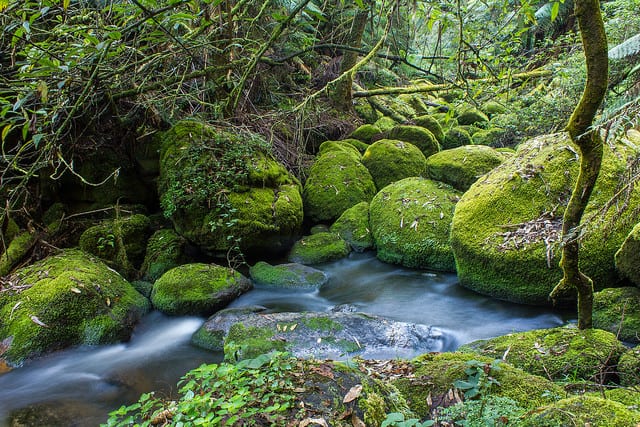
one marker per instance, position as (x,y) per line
(590,144)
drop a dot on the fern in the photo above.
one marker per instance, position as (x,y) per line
(627,48)
(551,16)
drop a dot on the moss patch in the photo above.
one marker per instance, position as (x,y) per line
(431,124)
(392,160)
(460,167)
(410,222)
(339,146)
(17,249)
(287,275)
(165,250)
(583,410)
(628,256)
(456,137)
(618,311)
(629,368)
(353,226)
(365,133)
(318,248)
(419,136)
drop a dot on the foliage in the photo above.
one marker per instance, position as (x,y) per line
(479,379)
(397,419)
(251,392)
(493,411)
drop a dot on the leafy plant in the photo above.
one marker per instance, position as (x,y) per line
(479,379)
(104,241)
(494,411)
(397,419)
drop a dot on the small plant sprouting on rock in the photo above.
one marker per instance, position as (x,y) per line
(479,379)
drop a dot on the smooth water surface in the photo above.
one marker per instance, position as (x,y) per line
(87,383)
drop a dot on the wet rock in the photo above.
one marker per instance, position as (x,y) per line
(319,248)
(291,275)
(353,226)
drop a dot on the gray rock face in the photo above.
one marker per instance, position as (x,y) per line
(335,335)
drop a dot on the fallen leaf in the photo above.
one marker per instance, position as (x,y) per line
(353,394)
(324,370)
(5,344)
(75,290)
(108,302)
(357,422)
(37,321)
(313,421)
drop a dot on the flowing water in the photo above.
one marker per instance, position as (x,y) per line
(84,384)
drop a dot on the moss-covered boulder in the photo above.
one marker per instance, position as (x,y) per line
(494,137)
(353,226)
(64,300)
(418,136)
(506,227)
(432,376)
(385,123)
(492,108)
(291,275)
(583,411)
(410,222)
(456,137)
(336,182)
(121,242)
(556,353)
(197,289)
(628,256)
(472,116)
(365,133)
(460,167)
(391,160)
(629,368)
(17,248)
(318,248)
(223,190)
(165,250)
(339,146)
(617,310)
(431,124)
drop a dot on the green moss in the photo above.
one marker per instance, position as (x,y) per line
(287,275)
(209,340)
(17,249)
(492,137)
(583,410)
(558,353)
(628,256)
(629,368)
(492,108)
(365,111)
(460,167)
(391,160)
(497,256)
(435,373)
(322,323)
(340,146)
(365,133)
(246,343)
(456,137)
(628,396)
(617,310)
(197,289)
(77,297)
(318,248)
(410,222)
(385,123)
(472,116)
(165,250)
(431,124)
(336,182)
(419,136)
(353,227)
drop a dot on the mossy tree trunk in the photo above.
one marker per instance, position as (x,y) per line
(590,144)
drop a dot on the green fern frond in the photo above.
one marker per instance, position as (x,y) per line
(627,48)
(551,15)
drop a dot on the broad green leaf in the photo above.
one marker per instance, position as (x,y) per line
(36,139)
(555,8)
(65,4)
(43,89)
(5,131)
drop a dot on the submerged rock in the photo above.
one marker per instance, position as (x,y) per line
(318,248)
(65,300)
(460,167)
(617,310)
(290,275)
(391,160)
(319,335)
(197,289)
(410,222)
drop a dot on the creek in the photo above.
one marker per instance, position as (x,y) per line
(78,387)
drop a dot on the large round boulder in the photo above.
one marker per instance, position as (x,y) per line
(460,167)
(506,228)
(287,276)
(165,250)
(64,300)
(318,248)
(456,137)
(197,289)
(391,160)
(336,182)
(431,124)
(628,256)
(353,226)
(410,222)
(222,190)
(419,136)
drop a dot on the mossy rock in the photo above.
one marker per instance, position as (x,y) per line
(582,411)
(220,188)
(64,300)
(431,124)
(419,136)
(617,310)
(359,145)
(629,368)
(558,353)
(496,252)
(415,102)
(492,137)
(197,289)
(472,116)
(492,108)
(121,242)
(460,167)
(456,137)
(434,374)
(391,160)
(292,275)
(628,396)
(365,111)
(339,146)
(353,226)
(365,133)
(385,123)
(18,247)
(319,248)
(165,250)
(336,182)
(628,256)
(410,221)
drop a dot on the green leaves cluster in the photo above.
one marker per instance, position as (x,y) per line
(479,379)
(252,392)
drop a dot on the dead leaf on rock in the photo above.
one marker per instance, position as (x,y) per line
(353,394)
(5,344)
(357,422)
(324,369)
(313,421)
(37,321)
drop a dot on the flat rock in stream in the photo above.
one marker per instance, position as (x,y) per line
(248,332)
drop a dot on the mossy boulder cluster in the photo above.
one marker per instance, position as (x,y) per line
(67,299)
(214,184)
(505,230)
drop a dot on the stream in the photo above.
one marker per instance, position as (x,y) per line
(84,384)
